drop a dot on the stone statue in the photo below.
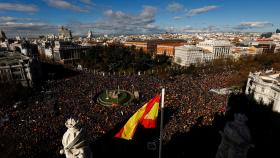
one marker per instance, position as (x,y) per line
(73,141)
(236,139)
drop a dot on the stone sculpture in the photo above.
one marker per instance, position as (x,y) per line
(74,142)
(236,139)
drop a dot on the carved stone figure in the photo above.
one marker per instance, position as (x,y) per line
(73,141)
(236,139)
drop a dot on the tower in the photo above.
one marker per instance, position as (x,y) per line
(90,34)
(2,36)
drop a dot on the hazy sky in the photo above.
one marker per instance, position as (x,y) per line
(34,17)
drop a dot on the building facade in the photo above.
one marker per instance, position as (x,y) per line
(238,52)
(190,54)
(168,50)
(265,88)
(65,52)
(89,35)
(267,45)
(65,34)
(220,48)
(157,47)
(15,67)
(138,45)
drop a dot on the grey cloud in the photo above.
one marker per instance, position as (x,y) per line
(188,29)
(18,27)
(201,10)
(124,23)
(174,7)
(65,5)
(252,25)
(148,11)
(14,26)
(7,18)
(19,7)
(171,29)
(177,17)
(117,14)
(13,19)
(86,1)
(211,28)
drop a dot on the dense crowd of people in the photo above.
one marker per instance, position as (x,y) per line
(39,127)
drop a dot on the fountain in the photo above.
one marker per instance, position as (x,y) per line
(115,97)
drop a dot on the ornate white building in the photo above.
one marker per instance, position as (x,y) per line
(15,67)
(65,52)
(65,34)
(202,52)
(90,34)
(2,36)
(220,48)
(187,55)
(265,86)
(190,54)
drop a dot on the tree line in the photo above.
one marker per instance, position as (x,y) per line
(116,58)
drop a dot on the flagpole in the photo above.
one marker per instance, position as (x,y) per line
(161,122)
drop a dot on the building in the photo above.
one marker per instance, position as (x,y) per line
(238,52)
(267,45)
(4,42)
(25,47)
(68,52)
(15,67)
(138,45)
(65,34)
(265,88)
(65,52)
(157,47)
(2,36)
(220,48)
(168,48)
(90,35)
(190,54)
(277,48)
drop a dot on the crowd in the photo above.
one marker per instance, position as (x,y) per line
(39,127)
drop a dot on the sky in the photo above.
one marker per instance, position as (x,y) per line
(41,17)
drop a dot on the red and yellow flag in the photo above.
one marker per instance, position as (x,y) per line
(146,116)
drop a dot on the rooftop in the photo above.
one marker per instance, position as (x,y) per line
(11,58)
(215,43)
(268,76)
(190,48)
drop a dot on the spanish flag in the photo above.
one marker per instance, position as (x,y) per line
(146,116)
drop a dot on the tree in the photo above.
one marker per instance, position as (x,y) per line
(266,35)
